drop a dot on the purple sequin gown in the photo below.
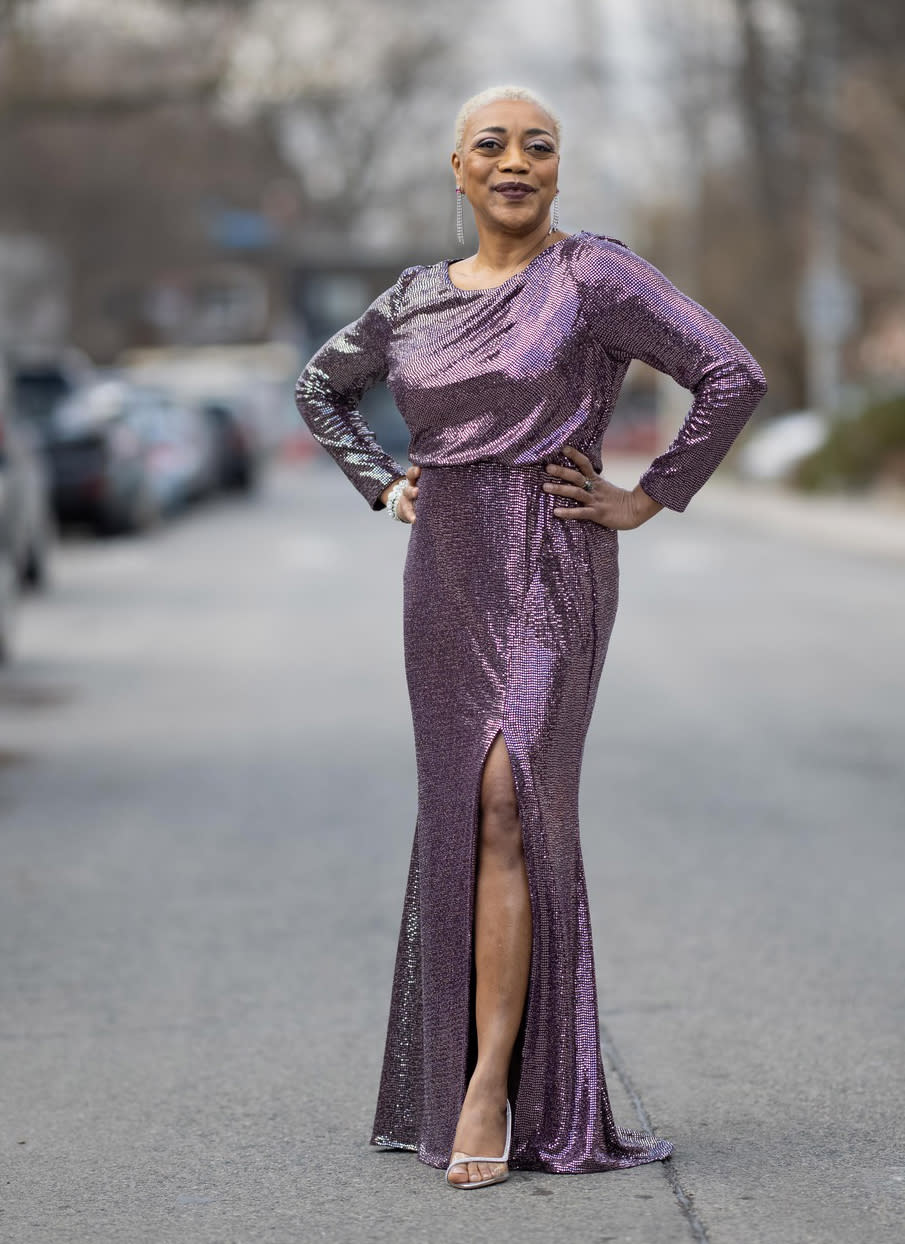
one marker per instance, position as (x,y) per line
(508,611)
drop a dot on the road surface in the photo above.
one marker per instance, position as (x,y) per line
(207,798)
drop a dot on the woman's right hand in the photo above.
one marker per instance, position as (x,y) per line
(405,506)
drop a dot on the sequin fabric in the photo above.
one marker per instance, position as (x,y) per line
(508,611)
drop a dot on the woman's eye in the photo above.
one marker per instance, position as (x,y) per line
(535,146)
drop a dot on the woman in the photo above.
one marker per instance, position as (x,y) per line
(505,367)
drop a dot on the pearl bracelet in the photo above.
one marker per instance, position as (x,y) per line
(393,498)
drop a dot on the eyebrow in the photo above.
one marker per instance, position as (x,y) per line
(501,129)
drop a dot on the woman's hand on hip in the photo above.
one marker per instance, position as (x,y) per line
(405,506)
(603,503)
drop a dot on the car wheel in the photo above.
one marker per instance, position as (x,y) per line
(34,568)
(33,571)
(109,522)
(244,477)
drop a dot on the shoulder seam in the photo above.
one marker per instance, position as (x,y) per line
(605,237)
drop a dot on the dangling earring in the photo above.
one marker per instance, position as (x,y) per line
(460,229)
(554,222)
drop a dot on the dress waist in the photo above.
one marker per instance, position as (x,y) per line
(496,485)
(556,457)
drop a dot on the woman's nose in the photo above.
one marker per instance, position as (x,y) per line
(513,158)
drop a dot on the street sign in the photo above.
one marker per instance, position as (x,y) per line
(827,303)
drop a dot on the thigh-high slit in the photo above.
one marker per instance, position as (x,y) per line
(472,1054)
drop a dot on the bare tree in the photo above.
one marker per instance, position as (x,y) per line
(800,151)
(118,138)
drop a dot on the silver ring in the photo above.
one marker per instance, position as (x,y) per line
(588,485)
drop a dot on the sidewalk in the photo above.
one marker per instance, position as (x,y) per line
(870,525)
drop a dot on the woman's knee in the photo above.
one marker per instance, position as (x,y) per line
(501,829)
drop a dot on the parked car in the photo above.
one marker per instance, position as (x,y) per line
(25,527)
(26,501)
(7,598)
(24,493)
(7,567)
(37,387)
(237,455)
(180,445)
(98,457)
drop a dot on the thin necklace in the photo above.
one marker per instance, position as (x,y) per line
(525,262)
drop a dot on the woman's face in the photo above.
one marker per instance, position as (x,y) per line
(509,165)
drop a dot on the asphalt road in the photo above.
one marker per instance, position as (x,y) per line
(207,798)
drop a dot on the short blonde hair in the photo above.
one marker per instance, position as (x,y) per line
(490,96)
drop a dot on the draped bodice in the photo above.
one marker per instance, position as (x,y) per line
(513,373)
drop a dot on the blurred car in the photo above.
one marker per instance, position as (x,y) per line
(237,455)
(24,493)
(98,458)
(7,565)
(25,501)
(25,527)
(7,599)
(37,387)
(180,444)
(250,381)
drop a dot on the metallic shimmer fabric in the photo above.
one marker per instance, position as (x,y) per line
(508,611)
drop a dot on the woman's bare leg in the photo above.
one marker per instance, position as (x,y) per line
(502,947)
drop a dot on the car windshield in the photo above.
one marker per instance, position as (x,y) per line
(37,393)
(88,409)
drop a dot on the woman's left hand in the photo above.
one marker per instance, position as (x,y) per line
(604,503)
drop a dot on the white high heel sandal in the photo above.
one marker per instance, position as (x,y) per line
(494,1179)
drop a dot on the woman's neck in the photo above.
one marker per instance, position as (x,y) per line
(500,254)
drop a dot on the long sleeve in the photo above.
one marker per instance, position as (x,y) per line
(642,315)
(328,392)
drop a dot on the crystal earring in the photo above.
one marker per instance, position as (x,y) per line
(460,229)
(554,222)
